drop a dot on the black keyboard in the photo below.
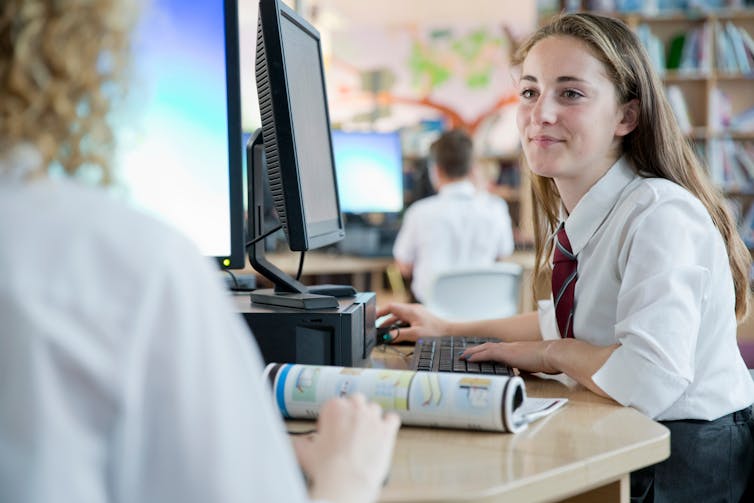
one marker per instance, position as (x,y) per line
(443,354)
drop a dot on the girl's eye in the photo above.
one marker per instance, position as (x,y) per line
(571,94)
(527,94)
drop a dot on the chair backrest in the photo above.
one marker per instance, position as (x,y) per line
(476,293)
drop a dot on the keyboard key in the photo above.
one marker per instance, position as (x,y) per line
(444,355)
(503,370)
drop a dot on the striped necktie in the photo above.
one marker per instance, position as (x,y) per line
(564,275)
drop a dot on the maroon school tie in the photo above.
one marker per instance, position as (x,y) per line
(564,276)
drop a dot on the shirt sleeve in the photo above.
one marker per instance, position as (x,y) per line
(548,327)
(659,307)
(200,424)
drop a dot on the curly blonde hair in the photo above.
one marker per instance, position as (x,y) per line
(61,69)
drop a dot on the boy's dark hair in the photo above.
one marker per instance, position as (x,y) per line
(452,153)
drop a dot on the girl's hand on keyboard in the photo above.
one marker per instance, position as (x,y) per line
(527,355)
(416,320)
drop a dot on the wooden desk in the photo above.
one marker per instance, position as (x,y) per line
(583,452)
(366,272)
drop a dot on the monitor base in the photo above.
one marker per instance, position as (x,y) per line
(306,301)
(333,290)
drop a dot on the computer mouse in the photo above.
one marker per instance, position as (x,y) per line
(383,333)
(382,319)
(398,324)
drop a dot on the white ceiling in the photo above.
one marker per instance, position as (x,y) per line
(387,12)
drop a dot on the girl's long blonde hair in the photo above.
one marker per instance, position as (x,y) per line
(61,68)
(657,147)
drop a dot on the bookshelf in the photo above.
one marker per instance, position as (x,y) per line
(713,75)
(705,57)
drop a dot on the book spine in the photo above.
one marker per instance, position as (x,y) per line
(680,110)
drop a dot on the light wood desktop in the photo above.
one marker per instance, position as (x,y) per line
(583,452)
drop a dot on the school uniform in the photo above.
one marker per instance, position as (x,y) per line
(125,373)
(458,227)
(653,275)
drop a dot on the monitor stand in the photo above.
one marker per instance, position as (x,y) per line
(334,290)
(288,292)
(296,300)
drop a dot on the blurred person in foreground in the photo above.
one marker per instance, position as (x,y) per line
(125,375)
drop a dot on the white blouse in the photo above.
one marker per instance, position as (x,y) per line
(654,276)
(125,375)
(459,227)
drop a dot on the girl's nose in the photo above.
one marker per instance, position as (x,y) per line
(543,111)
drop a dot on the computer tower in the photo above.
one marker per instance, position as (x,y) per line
(342,336)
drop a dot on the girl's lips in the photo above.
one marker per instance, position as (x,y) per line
(544,141)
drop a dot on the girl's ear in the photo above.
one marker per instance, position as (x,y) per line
(630,118)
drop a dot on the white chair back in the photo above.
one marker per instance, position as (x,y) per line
(476,293)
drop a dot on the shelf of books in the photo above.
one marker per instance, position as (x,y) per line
(706,59)
(704,51)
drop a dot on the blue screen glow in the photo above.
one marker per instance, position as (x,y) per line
(173,160)
(369,171)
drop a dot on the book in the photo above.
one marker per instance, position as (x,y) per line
(748,42)
(744,121)
(746,228)
(745,160)
(653,46)
(675,51)
(739,47)
(724,56)
(691,52)
(704,48)
(715,162)
(737,176)
(434,399)
(720,110)
(678,105)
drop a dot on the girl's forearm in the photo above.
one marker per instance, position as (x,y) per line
(522,327)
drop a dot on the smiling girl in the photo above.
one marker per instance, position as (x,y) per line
(649,275)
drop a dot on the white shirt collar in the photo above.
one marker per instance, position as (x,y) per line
(462,188)
(596,204)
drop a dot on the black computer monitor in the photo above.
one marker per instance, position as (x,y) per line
(180,153)
(294,142)
(369,171)
(271,220)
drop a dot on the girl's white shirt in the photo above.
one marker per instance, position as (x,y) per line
(125,374)
(654,276)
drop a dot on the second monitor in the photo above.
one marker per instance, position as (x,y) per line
(369,168)
(295,145)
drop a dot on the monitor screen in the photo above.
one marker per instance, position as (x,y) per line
(180,153)
(370,171)
(296,128)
